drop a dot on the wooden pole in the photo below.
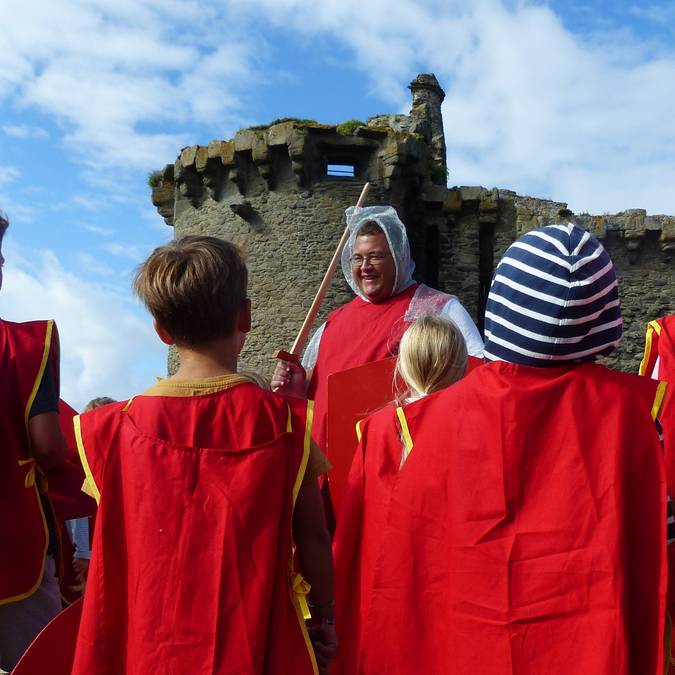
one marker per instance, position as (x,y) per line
(301,339)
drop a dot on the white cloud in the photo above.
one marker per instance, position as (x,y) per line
(134,252)
(662,15)
(123,79)
(8,174)
(89,263)
(24,131)
(87,202)
(107,346)
(18,212)
(96,229)
(530,105)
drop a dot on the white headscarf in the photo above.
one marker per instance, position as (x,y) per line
(394,230)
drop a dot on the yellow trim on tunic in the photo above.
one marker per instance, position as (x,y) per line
(299,588)
(652,327)
(206,385)
(658,399)
(405,432)
(29,481)
(89,486)
(41,372)
(359,434)
(305,450)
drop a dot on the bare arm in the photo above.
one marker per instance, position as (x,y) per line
(312,540)
(316,560)
(48,445)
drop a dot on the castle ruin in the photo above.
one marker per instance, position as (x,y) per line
(280,191)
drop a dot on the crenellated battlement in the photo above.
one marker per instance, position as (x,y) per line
(290,156)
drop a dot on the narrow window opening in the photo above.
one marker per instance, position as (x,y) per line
(341,170)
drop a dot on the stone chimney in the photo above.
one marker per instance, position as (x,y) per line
(427,118)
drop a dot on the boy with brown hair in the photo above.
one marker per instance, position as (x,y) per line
(205,482)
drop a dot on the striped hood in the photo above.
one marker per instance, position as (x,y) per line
(554,299)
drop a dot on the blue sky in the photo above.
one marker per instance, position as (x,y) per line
(566,100)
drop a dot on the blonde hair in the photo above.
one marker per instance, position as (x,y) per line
(432,355)
(194,288)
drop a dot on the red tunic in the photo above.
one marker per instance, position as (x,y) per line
(659,362)
(526,531)
(360,526)
(25,351)
(356,333)
(191,562)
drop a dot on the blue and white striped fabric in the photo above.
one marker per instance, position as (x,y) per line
(554,300)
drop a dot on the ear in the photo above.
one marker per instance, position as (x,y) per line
(162,334)
(244,317)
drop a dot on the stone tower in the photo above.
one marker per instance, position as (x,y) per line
(280,190)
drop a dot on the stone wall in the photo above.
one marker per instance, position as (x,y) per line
(268,189)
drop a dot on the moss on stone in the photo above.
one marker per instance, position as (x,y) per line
(349,127)
(154,179)
(438,173)
(298,121)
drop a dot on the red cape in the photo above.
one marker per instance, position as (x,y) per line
(26,349)
(659,362)
(527,526)
(191,565)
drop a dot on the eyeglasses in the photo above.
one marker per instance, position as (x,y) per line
(371,259)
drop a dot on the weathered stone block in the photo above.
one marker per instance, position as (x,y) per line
(188,156)
(244,140)
(279,134)
(227,154)
(489,201)
(471,193)
(453,201)
(213,148)
(633,223)
(260,151)
(668,229)
(177,169)
(163,194)
(201,158)
(597,227)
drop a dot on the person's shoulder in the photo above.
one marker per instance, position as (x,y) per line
(379,419)
(32,329)
(104,414)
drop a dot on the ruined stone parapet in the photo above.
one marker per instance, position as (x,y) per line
(292,155)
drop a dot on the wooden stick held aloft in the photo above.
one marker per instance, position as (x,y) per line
(301,339)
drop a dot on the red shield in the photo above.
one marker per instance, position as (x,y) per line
(53,649)
(352,395)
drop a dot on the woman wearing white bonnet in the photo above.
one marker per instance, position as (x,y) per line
(376,264)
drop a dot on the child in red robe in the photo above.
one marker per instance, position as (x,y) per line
(205,481)
(31,444)
(432,356)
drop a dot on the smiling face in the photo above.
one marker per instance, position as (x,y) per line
(373,267)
